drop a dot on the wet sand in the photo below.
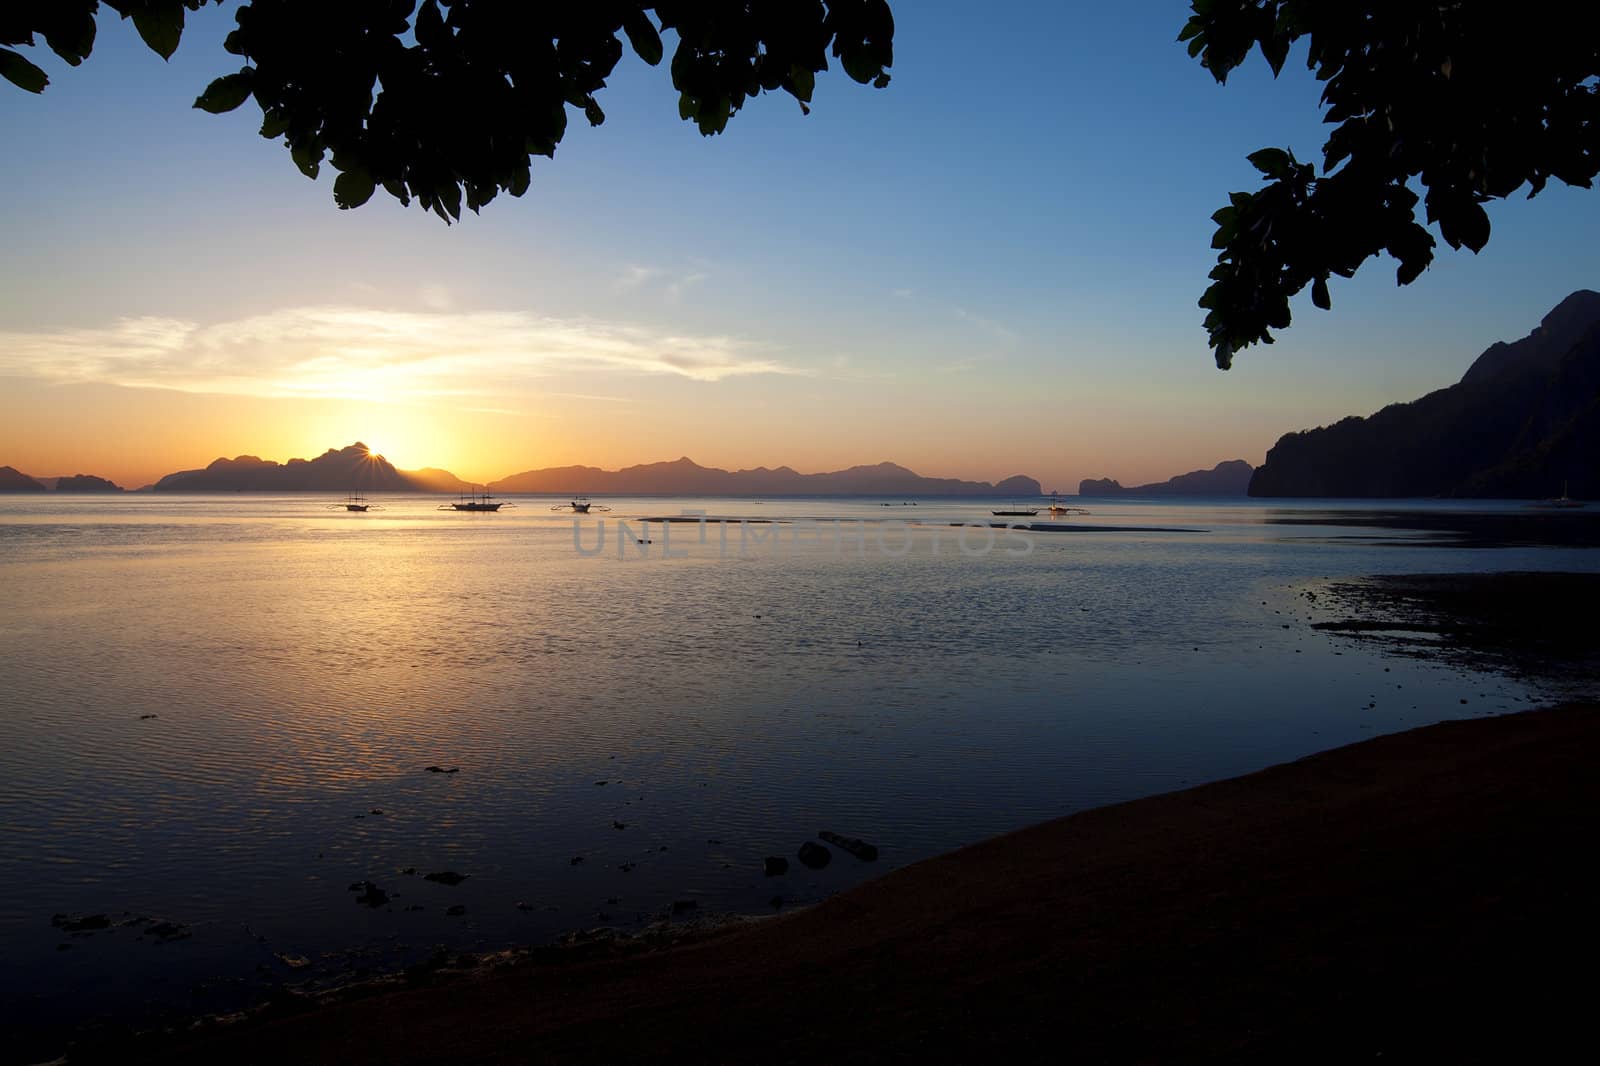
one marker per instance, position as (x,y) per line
(1425,896)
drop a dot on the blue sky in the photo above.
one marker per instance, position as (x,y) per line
(989,267)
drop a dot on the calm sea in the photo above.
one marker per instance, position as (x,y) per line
(206,702)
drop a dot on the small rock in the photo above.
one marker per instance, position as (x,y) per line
(619,825)
(442,770)
(524,906)
(776,902)
(774,866)
(681,905)
(445,877)
(815,855)
(294,962)
(371,895)
(626,867)
(575,860)
(409,871)
(82,924)
(376,810)
(456,911)
(859,848)
(145,717)
(168,931)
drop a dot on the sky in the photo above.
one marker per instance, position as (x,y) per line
(988,268)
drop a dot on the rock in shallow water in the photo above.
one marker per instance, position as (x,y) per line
(774,866)
(371,895)
(859,848)
(815,855)
(81,924)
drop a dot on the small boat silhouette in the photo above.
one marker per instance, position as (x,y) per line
(469,501)
(580,505)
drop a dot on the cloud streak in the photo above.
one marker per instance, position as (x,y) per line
(369,354)
(987,325)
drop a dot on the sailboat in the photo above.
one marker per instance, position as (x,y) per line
(1561,502)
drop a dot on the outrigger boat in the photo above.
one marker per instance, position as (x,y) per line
(475,502)
(580,505)
(1058,508)
(353,502)
(1016,512)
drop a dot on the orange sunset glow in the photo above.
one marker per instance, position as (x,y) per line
(798,531)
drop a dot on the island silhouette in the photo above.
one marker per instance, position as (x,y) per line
(1230,478)
(355,466)
(1523,421)
(14,480)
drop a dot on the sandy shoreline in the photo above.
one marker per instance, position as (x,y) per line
(1420,896)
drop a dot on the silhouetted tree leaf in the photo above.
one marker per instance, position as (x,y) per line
(70,33)
(1272,162)
(273,125)
(353,188)
(308,157)
(643,36)
(160,24)
(802,83)
(226,93)
(21,73)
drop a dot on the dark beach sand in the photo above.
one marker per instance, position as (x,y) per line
(1427,896)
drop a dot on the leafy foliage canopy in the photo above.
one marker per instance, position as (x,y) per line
(447,102)
(1448,104)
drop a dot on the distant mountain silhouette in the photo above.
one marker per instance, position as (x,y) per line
(84,483)
(1230,478)
(343,470)
(354,467)
(1523,420)
(432,479)
(684,477)
(14,480)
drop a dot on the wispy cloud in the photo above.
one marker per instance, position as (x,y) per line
(677,287)
(671,285)
(987,325)
(634,276)
(364,353)
(961,366)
